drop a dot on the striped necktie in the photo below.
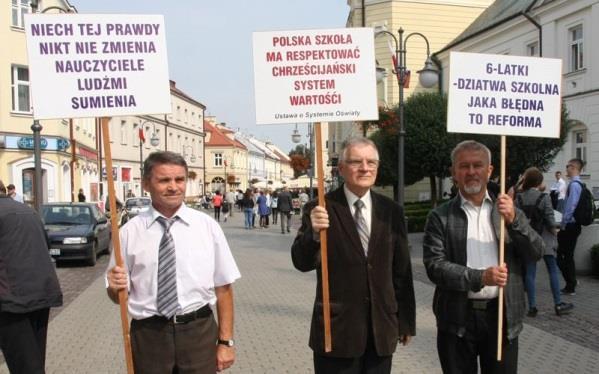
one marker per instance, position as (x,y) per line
(167,271)
(361,225)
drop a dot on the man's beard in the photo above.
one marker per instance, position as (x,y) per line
(473,189)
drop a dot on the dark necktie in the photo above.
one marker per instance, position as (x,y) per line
(167,271)
(361,225)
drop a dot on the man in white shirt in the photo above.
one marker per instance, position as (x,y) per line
(177,264)
(12,192)
(558,189)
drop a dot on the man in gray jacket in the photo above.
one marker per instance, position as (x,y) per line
(461,246)
(28,286)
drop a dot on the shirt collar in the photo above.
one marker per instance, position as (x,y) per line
(183,214)
(464,201)
(352,197)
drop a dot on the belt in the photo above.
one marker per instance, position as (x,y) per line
(203,312)
(483,304)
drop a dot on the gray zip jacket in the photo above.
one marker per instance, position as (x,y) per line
(444,257)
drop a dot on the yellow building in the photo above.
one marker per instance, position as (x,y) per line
(439,20)
(59,157)
(226,160)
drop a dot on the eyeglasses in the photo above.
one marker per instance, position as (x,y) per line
(356,164)
(569,165)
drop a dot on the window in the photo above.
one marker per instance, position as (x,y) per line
(135,140)
(20,89)
(124,132)
(19,9)
(532,49)
(576,48)
(218,159)
(580,144)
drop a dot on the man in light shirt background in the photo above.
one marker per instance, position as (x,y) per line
(12,192)
(461,258)
(177,265)
(558,190)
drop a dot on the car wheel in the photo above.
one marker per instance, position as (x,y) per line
(91,260)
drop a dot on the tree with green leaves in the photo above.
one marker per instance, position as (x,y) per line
(428,145)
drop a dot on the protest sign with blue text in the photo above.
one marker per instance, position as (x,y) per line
(504,95)
(315,76)
(97,65)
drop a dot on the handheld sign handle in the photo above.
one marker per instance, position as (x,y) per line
(116,244)
(326,306)
(501,254)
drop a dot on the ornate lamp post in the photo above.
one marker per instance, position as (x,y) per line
(154,141)
(428,77)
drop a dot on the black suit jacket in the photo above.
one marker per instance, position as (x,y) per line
(376,290)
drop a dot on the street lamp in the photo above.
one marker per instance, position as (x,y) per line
(428,77)
(296,138)
(36,128)
(154,141)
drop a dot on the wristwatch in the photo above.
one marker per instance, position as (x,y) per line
(228,343)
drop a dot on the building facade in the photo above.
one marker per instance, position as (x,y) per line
(439,20)
(226,160)
(563,29)
(60,157)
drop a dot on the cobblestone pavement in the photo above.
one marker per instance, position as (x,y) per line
(273,308)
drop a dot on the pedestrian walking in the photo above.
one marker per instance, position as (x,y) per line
(247,203)
(370,274)
(284,206)
(570,229)
(273,207)
(262,202)
(255,195)
(461,259)
(177,264)
(558,192)
(537,207)
(28,286)
(81,196)
(230,199)
(217,203)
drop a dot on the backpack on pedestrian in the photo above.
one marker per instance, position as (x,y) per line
(533,212)
(583,213)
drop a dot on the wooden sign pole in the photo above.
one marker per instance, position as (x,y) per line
(116,243)
(324,264)
(501,253)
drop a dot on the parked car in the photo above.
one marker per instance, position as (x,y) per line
(76,231)
(134,206)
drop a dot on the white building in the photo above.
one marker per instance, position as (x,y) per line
(564,29)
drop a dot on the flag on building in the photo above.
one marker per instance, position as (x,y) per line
(142,138)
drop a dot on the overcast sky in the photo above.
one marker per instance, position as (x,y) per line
(209,46)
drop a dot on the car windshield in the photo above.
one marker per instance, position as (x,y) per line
(66,215)
(137,203)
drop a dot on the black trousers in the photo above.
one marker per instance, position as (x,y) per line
(459,355)
(217,213)
(369,363)
(23,340)
(566,243)
(161,347)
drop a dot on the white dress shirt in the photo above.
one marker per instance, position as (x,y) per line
(481,245)
(560,186)
(204,260)
(366,210)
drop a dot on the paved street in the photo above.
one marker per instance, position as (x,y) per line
(273,308)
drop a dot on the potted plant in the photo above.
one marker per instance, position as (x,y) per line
(595,259)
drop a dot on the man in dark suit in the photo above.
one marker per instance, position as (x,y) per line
(285,207)
(461,258)
(370,275)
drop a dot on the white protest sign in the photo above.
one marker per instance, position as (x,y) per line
(504,95)
(94,65)
(315,76)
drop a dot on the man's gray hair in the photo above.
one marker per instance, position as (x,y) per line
(469,145)
(355,141)
(162,158)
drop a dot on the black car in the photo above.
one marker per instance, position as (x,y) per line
(76,231)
